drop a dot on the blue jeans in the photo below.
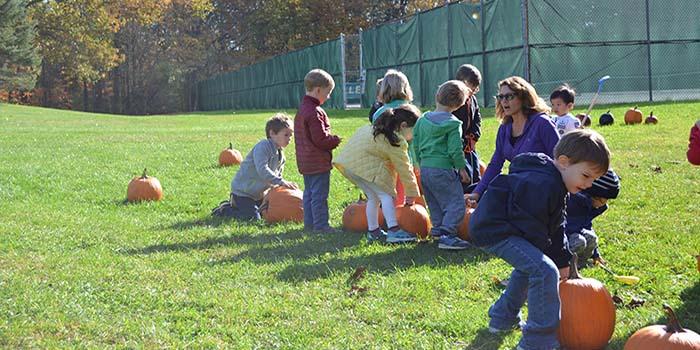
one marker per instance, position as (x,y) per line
(316,188)
(246,208)
(443,194)
(535,278)
(472,159)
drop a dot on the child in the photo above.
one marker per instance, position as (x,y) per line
(260,170)
(377,104)
(314,146)
(437,140)
(394,91)
(694,144)
(582,208)
(371,160)
(470,116)
(562,100)
(520,218)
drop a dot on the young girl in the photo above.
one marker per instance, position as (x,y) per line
(394,91)
(371,160)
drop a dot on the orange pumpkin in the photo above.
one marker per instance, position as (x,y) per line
(414,219)
(668,337)
(282,204)
(482,167)
(144,188)
(355,217)
(633,116)
(463,228)
(230,156)
(587,312)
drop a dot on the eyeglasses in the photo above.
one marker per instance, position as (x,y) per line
(507,97)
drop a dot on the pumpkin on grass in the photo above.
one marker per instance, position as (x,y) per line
(482,167)
(606,118)
(144,188)
(355,216)
(587,312)
(463,228)
(633,116)
(414,219)
(651,119)
(668,337)
(282,204)
(230,156)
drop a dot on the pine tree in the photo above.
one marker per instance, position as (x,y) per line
(19,58)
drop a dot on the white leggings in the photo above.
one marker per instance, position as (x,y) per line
(374,197)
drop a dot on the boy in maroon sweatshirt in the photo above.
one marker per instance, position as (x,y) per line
(314,145)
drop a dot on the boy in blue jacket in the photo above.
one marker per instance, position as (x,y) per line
(582,208)
(521,217)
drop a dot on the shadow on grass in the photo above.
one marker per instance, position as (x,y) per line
(485,340)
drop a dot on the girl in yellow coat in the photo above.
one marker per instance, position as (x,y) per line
(371,160)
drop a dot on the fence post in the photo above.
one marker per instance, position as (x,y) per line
(342,69)
(420,59)
(526,39)
(449,40)
(363,74)
(649,52)
(484,65)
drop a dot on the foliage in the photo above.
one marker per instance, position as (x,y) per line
(19,59)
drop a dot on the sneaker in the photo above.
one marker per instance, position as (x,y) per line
(376,236)
(400,236)
(436,235)
(453,242)
(494,330)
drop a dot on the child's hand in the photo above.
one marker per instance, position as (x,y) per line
(410,200)
(599,261)
(563,274)
(471,199)
(463,175)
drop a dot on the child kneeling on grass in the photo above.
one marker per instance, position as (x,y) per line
(371,160)
(260,170)
(521,217)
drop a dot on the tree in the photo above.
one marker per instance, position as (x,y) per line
(19,58)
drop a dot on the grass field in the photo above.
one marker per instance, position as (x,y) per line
(80,268)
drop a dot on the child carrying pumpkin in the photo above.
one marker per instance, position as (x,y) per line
(260,170)
(371,160)
(520,218)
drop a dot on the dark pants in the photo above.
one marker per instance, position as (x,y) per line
(245,208)
(441,188)
(472,168)
(316,188)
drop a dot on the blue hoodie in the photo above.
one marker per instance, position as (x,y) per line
(529,202)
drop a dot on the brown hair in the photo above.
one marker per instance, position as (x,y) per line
(395,86)
(452,94)
(469,74)
(390,120)
(527,95)
(318,78)
(584,145)
(278,122)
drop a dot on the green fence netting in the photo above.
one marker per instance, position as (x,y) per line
(277,82)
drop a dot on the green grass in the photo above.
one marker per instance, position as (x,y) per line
(80,268)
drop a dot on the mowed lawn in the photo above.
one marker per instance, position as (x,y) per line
(80,268)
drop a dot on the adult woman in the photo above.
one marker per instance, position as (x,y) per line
(525,127)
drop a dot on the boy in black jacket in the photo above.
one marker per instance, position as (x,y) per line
(470,116)
(521,217)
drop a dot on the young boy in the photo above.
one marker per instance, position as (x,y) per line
(470,116)
(582,208)
(562,100)
(437,142)
(693,152)
(314,146)
(260,170)
(520,218)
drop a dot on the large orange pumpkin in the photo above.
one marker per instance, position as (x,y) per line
(282,204)
(633,116)
(355,217)
(668,337)
(587,312)
(463,228)
(230,156)
(482,167)
(144,188)
(414,219)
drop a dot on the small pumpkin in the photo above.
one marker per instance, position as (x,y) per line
(606,118)
(282,204)
(230,156)
(668,337)
(633,116)
(355,217)
(585,119)
(144,188)
(651,119)
(482,167)
(587,312)
(463,228)
(414,219)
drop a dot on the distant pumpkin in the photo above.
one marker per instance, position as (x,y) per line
(633,116)
(230,156)
(282,204)
(651,119)
(414,219)
(144,188)
(606,118)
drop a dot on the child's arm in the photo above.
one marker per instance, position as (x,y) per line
(398,156)
(454,147)
(321,137)
(262,156)
(557,251)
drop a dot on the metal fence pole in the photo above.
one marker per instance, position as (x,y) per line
(651,98)
(484,65)
(449,40)
(342,69)
(420,60)
(526,39)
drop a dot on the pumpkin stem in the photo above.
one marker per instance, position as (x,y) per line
(144,174)
(230,145)
(608,111)
(673,326)
(573,268)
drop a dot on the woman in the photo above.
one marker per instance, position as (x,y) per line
(525,127)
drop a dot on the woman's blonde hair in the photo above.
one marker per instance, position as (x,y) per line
(531,103)
(395,86)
